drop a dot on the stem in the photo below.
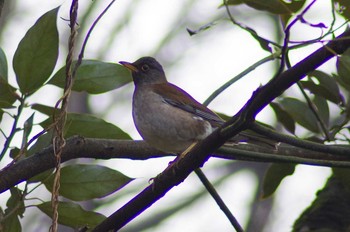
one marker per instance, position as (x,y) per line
(210,188)
(14,127)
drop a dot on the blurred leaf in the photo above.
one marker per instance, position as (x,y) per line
(343,174)
(82,182)
(11,224)
(202,28)
(274,176)
(89,126)
(28,125)
(42,142)
(15,202)
(264,43)
(343,68)
(36,55)
(343,8)
(327,87)
(40,177)
(73,215)
(95,77)
(323,109)
(283,117)
(301,113)
(272,6)
(3,65)
(7,94)
(15,209)
(47,110)
(14,152)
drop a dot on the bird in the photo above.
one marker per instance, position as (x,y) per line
(167,117)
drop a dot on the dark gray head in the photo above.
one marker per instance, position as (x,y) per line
(146,70)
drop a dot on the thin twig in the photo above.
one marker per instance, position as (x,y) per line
(210,188)
(14,127)
(81,55)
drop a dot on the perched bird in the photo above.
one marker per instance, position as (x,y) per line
(167,117)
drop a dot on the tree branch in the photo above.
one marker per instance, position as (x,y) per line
(79,147)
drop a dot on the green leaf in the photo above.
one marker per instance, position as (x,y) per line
(7,94)
(94,77)
(301,113)
(343,68)
(272,6)
(14,152)
(36,55)
(89,126)
(3,65)
(343,8)
(322,108)
(73,215)
(274,176)
(42,142)
(283,117)
(327,87)
(342,174)
(16,202)
(28,125)
(11,224)
(40,177)
(47,110)
(82,182)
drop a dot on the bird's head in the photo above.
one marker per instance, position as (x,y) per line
(146,70)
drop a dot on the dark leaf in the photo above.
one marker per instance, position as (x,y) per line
(14,152)
(343,8)
(7,94)
(95,77)
(28,125)
(343,68)
(283,117)
(73,215)
(36,55)
(202,28)
(41,176)
(344,175)
(327,86)
(11,224)
(42,142)
(272,6)
(3,65)
(301,113)
(322,108)
(82,182)
(47,110)
(274,176)
(15,202)
(89,126)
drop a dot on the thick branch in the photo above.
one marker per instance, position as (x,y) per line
(179,171)
(78,147)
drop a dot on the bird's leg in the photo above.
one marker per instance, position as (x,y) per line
(184,153)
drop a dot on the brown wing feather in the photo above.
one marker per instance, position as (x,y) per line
(177,97)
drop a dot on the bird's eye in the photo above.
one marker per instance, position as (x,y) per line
(145,67)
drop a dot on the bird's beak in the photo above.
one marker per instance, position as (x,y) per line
(129,66)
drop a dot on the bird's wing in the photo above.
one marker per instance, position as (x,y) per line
(177,97)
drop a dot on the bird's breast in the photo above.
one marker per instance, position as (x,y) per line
(164,126)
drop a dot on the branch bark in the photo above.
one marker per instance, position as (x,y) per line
(79,147)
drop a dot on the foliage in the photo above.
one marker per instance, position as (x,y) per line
(323,112)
